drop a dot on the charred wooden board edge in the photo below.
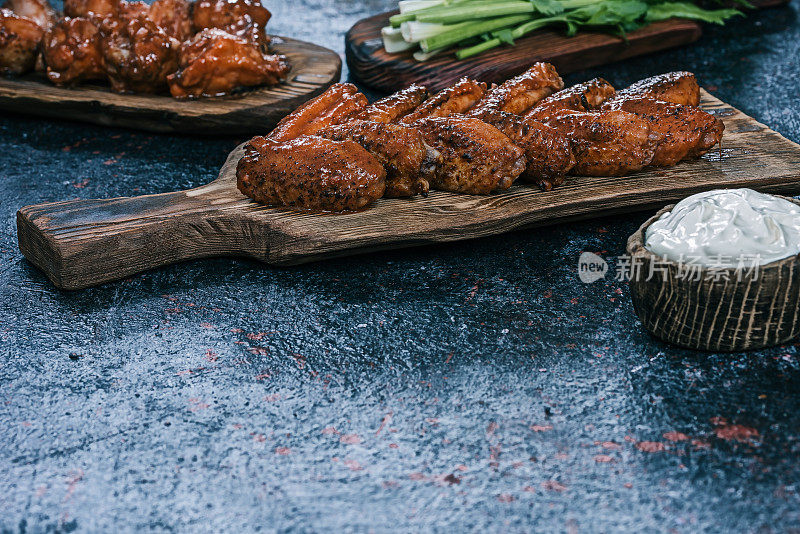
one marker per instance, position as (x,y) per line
(371,65)
(314,69)
(82,243)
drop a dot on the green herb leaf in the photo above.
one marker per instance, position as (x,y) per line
(505,36)
(685,10)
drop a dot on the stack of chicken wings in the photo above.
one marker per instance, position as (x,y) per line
(340,153)
(200,49)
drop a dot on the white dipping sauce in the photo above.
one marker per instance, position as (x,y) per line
(717,228)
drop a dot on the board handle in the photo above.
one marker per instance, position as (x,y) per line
(82,243)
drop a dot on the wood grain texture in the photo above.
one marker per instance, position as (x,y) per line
(314,69)
(81,243)
(715,309)
(370,64)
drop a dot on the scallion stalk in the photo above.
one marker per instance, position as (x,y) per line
(467,30)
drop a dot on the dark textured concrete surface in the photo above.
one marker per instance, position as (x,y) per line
(467,387)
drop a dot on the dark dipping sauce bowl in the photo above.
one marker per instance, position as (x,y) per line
(714,309)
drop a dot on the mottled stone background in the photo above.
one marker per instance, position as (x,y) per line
(471,386)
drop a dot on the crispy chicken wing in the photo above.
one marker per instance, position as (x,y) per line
(339,103)
(128,11)
(139,56)
(676,87)
(245,18)
(19,43)
(72,51)
(395,107)
(310,173)
(173,16)
(518,95)
(214,63)
(548,153)
(581,97)
(39,11)
(683,131)
(476,158)
(451,101)
(91,8)
(409,163)
(611,143)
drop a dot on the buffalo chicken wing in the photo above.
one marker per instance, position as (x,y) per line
(408,161)
(19,43)
(339,103)
(475,157)
(215,63)
(72,51)
(395,107)
(310,173)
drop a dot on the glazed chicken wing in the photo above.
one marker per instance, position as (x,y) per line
(581,97)
(310,173)
(214,63)
(395,107)
(400,149)
(139,56)
(476,158)
(611,143)
(91,8)
(72,51)
(173,16)
(339,103)
(451,101)
(518,95)
(39,11)
(19,43)
(682,131)
(676,87)
(244,18)
(548,153)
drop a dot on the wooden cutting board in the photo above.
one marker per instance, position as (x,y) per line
(369,62)
(81,243)
(314,69)
(373,66)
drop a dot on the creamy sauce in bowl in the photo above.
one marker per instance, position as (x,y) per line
(719,228)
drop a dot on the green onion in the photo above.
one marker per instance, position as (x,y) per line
(460,32)
(429,27)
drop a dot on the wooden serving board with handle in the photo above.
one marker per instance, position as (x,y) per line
(373,66)
(314,69)
(81,243)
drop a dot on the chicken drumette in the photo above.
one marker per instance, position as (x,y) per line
(451,101)
(339,103)
(139,56)
(408,161)
(676,87)
(518,95)
(72,51)
(92,8)
(395,107)
(173,16)
(476,158)
(19,43)
(682,131)
(39,11)
(311,173)
(244,18)
(215,63)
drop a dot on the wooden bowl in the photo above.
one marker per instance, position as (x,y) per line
(714,309)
